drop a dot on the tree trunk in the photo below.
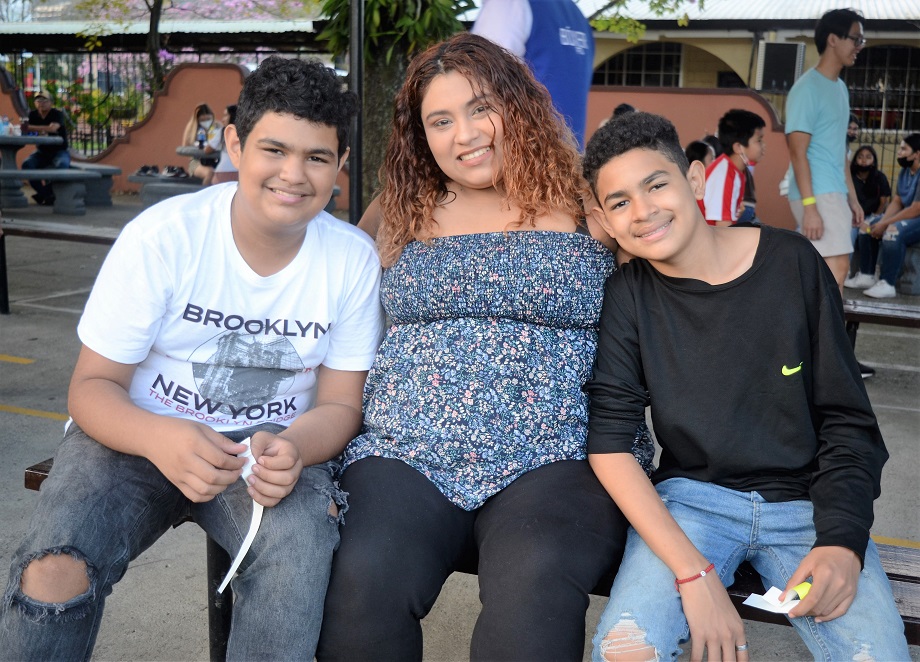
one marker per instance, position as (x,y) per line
(153,45)
(381,82)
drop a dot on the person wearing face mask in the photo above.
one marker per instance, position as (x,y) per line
(873,192)
(202,123)
(852,134)
(898,228)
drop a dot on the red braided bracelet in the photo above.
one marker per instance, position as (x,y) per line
(702,573)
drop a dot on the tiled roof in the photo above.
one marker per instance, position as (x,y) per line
(748,10)
(166,27)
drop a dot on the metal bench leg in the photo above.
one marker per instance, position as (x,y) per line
(220,605)
(4,283)
(852,328)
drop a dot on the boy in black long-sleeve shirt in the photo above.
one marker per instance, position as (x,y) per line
(770,450)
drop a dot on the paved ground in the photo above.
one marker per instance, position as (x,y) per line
(158,611)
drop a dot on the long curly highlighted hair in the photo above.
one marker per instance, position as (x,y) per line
(541,167)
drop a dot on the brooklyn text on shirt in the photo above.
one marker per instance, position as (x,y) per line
(278,327)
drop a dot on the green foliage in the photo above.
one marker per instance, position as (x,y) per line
(392,26)
(611,18)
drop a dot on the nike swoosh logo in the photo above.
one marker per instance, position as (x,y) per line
(792,371)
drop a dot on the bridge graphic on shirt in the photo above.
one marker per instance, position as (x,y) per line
(238,369)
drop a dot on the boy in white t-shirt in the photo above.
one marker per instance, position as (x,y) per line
(242,311)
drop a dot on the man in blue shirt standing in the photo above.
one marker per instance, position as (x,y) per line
(556,41)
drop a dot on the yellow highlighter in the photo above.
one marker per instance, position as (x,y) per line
(801,590)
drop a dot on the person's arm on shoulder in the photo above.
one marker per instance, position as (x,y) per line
(714,622)
(192,456)
(315,436)
(506,22)
(812,223)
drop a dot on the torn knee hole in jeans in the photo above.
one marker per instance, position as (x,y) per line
(35,610)
(338,501)
(626,641)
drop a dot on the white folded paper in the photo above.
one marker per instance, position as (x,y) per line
(253,524)
(770,601)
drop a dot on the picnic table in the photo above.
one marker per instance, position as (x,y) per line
(11,194)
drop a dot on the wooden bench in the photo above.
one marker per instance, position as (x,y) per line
(46,230)
(68,186)
(98,191)
(879,312)
(901,564)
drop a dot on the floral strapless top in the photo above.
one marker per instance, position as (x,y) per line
(479,378)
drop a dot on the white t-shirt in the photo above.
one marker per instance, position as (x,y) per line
(213,340)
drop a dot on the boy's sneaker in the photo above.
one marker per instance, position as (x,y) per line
(865,371)
(860,281)
(881,290)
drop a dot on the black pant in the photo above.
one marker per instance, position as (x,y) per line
(543,542)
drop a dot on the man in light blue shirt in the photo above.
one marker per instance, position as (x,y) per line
(821,192)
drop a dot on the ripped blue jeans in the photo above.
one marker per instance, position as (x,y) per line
(105,508)
(729,527)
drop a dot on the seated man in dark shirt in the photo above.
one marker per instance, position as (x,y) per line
(770,450)
(46,121)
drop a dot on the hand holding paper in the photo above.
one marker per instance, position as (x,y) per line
(770,601)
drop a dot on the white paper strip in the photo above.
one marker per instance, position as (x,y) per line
(770,601)
(257,509)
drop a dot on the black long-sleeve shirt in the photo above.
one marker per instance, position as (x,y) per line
(752,384)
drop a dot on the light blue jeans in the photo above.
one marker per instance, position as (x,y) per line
(729,527)
(105,508)
(898,236)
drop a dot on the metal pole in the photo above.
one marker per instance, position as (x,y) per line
(356,84)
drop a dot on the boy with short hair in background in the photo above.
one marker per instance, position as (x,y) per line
(729,196)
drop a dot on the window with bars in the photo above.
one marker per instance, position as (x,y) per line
(884,88)
(648,65)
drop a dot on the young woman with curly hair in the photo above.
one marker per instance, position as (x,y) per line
(473,445)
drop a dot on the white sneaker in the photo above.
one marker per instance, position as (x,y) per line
(881,290)
(860,281)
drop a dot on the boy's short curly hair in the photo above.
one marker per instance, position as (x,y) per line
(632,131)
(306,89)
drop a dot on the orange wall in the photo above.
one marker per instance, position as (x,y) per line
(154,140)
(695,113)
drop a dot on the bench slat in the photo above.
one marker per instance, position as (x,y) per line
(47,174)
(64,231)
(882,312)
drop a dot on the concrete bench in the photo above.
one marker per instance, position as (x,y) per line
(155,192)
(156,188)
(45,230)
(98,191)
(69,186)
(909,280)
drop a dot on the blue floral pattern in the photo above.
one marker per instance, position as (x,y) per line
(479,378)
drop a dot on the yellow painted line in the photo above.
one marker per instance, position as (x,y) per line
(15,359)
(900,542)
(34,412)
